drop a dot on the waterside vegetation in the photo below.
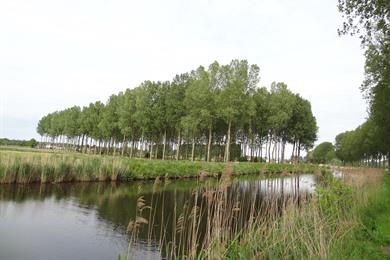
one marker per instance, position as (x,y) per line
(216,224)
(28,167)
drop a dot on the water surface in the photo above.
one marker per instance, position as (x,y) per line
(89,220)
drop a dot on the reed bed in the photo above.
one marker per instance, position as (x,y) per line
(218,223)
(26,167)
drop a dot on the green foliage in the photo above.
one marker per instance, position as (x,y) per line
(376,217)
(371,21)
(323,153)
(363,143)
(366,241)
(28,143)
(334,196)
(242,159)
(221,106)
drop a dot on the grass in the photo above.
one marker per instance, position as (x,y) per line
(29,167)
(347,218)
(371,234)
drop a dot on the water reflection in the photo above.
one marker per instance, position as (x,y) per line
(89,220)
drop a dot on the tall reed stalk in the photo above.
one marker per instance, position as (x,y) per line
(218,222)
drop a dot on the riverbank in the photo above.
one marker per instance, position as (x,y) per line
(45,167)
(370,239)
(348,218)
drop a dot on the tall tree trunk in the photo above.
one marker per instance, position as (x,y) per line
(227,148)
(299,151)
(123,145)
(269,148)
(260,150)
(67,143)
(256,153)
(209,144)
(84,149)
(279,150)
(108,146)
(252,147)
(274,151)
(193,149)
(151,151)
(164,143)
(205,152)
(296,152)
(292,154)
(131,149)
(140,146)
(388,161)
(114,143)
(87,139)
(178,146)
(88,145)
(78,143)
(82,144)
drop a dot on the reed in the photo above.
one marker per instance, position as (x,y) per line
(216,223)
(29,167)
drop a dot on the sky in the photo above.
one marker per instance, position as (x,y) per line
(58,53)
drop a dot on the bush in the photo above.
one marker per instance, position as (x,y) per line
(242,159)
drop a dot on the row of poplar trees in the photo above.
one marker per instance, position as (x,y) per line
(370,21)
(207,111)
(363,146)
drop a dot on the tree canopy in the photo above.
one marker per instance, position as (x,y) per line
(323,153)
(362,145)
(370,20)
(214,113)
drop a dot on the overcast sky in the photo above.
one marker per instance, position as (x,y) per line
(56,54)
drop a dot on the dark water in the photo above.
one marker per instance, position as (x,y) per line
(89,220)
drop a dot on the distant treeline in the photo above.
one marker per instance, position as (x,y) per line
(370,142)
(202,109)
(364,145)
(27,143)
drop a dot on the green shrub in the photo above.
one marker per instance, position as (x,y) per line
(334,196)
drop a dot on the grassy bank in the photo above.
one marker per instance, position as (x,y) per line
(28,167)
(370,238)
(328,225)
(347,219)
